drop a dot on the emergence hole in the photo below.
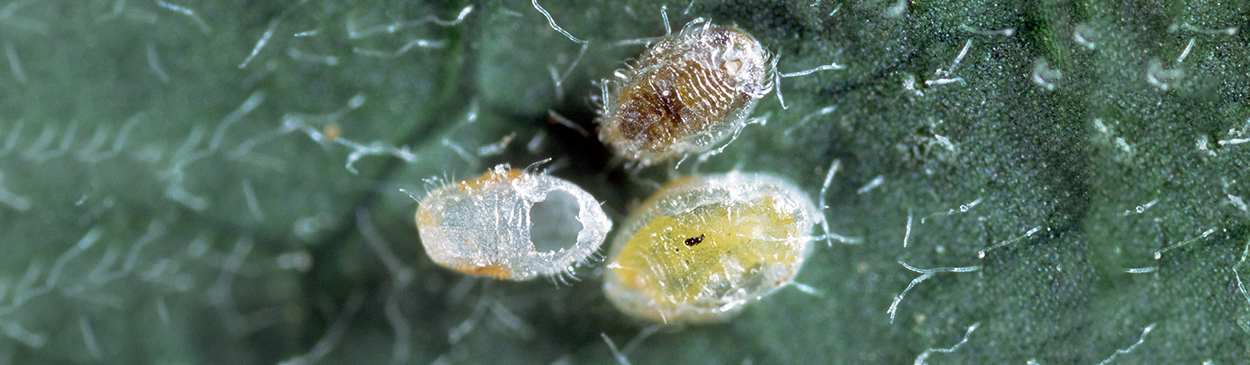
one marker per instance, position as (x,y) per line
(553,222)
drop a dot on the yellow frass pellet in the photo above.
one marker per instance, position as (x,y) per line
(702,247)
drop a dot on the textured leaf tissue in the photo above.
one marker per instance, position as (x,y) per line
(624,182)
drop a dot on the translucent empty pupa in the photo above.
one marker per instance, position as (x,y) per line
(511,224)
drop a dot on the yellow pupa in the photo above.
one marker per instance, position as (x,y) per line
(702,247)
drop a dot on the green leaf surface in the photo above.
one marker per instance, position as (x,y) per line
(227,182)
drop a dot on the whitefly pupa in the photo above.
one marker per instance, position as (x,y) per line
(511,224)
(702,247)
(685,93)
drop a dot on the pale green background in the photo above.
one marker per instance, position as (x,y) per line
(207,238)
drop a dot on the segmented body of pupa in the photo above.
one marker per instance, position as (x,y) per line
(685,93)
